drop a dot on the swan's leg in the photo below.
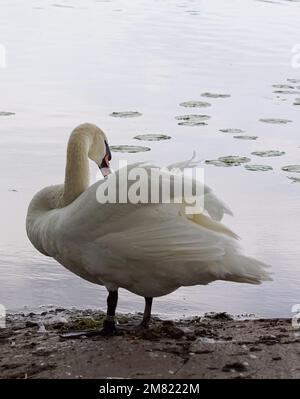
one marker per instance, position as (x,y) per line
(144,324)
(147,313)
(109,325)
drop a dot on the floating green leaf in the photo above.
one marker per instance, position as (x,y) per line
(284,86)
(192,123)
(277,121)
(244,137)
(192,117)
(215,162)
(270,153)
(291,168)
(234,131)
(195,104)
(152,137)
(192,120)
(5,113)
(294,179)
(193,12)
(262,168)
(234,159)
(231,160)
(215,95)
(286,92)
(129,148)
(126,114)
(294,80)
(62,6)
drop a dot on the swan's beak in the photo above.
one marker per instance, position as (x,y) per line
(104,167)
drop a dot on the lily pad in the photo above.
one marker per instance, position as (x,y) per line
(291,168)
(235,131)
(283,86)
(126,114)
(152,137)
(192,117)
(193,12)
(244,137)
(195,104)
(294,80)
(216,162)
(277,121)
(192,120)
(192,123)
(286,92)
(129,148)
(231,160)
(294,179)
(297,101)
(62,6)
(262,168)
(215,95)
(270,153)
(5,113)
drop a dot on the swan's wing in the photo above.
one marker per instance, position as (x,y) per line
(152,234)
(212,204)
(195,255)
(169,240)
(90,209)
(215,207)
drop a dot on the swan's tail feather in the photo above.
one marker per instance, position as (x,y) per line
(232,267)
(244,269)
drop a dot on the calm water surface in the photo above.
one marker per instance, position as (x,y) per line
(75,61)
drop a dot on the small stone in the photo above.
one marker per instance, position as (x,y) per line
(237,366)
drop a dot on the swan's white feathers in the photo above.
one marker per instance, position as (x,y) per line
(212,204)
(162,243)
(165,241)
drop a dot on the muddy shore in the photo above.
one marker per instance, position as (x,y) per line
(211,346)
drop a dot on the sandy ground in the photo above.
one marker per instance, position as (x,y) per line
(212,346)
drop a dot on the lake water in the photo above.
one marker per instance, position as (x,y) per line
(73,61)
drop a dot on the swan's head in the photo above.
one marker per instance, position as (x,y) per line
(99,152)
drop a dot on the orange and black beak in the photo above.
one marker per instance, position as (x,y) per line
(104,167)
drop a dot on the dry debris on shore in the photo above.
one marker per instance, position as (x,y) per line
(212,346)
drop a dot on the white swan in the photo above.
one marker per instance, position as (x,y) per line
(148,249)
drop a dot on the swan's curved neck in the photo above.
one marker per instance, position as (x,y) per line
(77,168)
